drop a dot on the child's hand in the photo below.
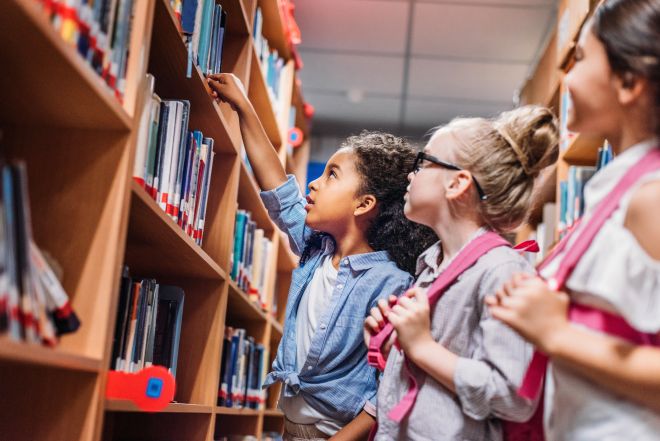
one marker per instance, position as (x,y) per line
(228,88)
(411,317)
(527,305)
(375,322)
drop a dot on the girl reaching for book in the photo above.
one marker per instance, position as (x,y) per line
(595,309)
(456,370)
(356,246)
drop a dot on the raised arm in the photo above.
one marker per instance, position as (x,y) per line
(263,158)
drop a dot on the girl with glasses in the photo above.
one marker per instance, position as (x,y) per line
(454,372)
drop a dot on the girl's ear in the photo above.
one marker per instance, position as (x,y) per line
(366,204)
(630,87)
(458,185)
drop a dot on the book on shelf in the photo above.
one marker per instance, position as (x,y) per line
(172,163)
(241,371)
(203,24)
(571,191)
(252,258)
(270,62)
(34,306)
(148,325)
(100,31)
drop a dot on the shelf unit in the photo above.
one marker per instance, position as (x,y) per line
(78,142)
(545,87)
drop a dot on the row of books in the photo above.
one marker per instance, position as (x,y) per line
(252,258)
(33,304)
(148,325)
(100,30)
(269,60)
(243,370)
(172,163)
(203,24)
(571,191)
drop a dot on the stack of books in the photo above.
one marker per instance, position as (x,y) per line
(148,325)
(269,60)
(100,30)
(243,371)
(174,164)
(33,304)
(203,24)
(252,258)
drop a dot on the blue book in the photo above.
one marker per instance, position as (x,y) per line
(233,356)
(205,34)
(217,67)
(188,16)
(241,218)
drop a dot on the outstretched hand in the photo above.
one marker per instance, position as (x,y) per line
(228,88)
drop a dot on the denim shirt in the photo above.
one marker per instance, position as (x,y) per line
(335,379)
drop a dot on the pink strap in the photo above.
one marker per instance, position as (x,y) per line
(464,260)
(593,318)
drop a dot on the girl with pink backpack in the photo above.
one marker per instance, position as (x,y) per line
(451,371)
(594,309)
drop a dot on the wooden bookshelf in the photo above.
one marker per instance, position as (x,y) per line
(79,141)
(545,87)
(31,43)
(582,150)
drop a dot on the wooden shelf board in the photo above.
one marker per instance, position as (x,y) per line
(30,354)
(260,98)
(157,246)
(168,61)
(237,19)
(221,410)
(273,413)
(70,94)
(583,150)
(240,306)
(249,199)
(129,406)
(273,27)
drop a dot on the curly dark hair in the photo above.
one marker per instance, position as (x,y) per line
(384,161)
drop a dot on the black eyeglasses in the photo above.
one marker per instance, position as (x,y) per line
(421,157)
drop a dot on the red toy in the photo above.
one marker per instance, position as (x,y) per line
(151,389)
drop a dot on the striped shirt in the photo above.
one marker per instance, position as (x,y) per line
(491,364)
(335,378)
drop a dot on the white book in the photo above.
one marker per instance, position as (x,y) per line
(202,168)
(258,247)
(176,157)
(205,192)
(142,143)
(193,190)
(198,26)
(164,185)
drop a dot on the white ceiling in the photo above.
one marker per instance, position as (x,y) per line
(413,64)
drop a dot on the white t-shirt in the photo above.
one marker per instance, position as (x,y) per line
(314,301)
(617,275)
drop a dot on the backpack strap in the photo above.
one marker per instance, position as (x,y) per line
(464,260)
